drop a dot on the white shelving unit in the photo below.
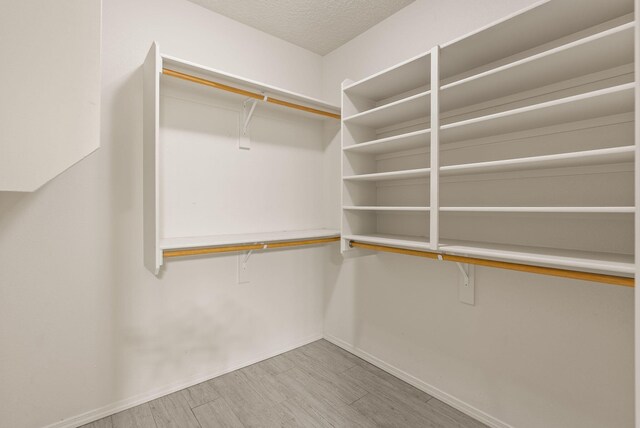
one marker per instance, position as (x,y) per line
(526,122)
(201,91)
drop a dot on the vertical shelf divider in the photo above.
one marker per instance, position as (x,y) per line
(151,182)
(434,177)
(637,205)
(344,244)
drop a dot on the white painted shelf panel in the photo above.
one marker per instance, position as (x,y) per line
(562,160)
(541,23)
(248,84)
(375,208)
(565,259)
(393,175)
(404,241)
(245,238)
(611,210)
(397,143)
(413,107)
(605,50)
(604,102)
(403,77)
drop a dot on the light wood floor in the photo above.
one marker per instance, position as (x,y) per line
(317,385)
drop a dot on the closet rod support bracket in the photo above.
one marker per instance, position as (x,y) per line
(248,108)
(465,275)
(246,257)
(466,283)
(244,275)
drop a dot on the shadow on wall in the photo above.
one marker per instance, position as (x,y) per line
(9,207)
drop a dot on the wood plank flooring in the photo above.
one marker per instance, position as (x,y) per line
(316,386)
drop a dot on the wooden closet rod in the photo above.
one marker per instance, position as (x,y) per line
(585,276)
(246,93)
(246,247)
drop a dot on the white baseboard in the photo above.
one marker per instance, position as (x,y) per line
(119,406)
(421,385)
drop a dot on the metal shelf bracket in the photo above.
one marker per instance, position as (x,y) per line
(248,107)
(243,267)
(466,284)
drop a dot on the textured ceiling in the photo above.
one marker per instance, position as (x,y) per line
(317,25)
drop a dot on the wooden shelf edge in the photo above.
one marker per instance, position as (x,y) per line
(247,247)
(541,270)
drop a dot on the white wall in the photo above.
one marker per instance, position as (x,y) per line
(534,351)
(83,324)
(65,35)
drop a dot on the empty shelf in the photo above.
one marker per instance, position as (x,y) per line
(604,102)
(411,140)
(583,260)
(612,210)
(522,31)
(227,78)
(583,158)
(245,238)
(609,49)
(403,77)
(374,208)
(413,107)
(393,175)
(403,241)
(537,256)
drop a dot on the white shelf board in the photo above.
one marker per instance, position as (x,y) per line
(410,74)
(536,25)
(151,161)
(561,160)
(564,259)
(375,208)
(604,102)
(608,49)
(397,143)
(244,238)
(252,85)
(611,210)
(393,175)
(403,241)
(550,257)
(413,107)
